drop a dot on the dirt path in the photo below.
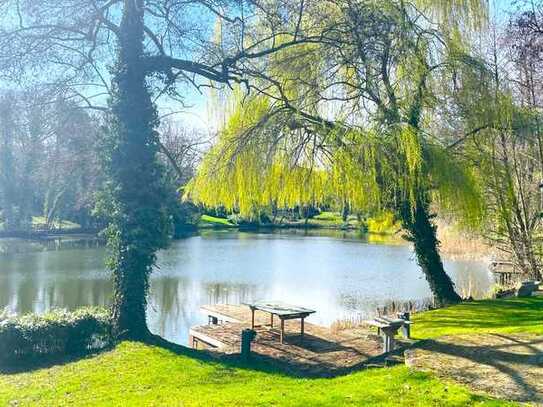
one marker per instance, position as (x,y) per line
(508,366)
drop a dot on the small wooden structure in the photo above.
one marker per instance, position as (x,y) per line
(506,273)
(283,311)
(322,352)
(247,336)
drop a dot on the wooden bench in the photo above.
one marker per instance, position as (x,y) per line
(389,327)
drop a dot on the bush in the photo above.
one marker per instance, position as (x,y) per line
(56,333)
(384,223)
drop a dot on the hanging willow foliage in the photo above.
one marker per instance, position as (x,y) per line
(248,170)
(452,13)
(255,166)
(269,155)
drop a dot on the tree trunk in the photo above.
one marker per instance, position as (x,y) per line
(422,232)
(137,222)
(8,210)
(345,212)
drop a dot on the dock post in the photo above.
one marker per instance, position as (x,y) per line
(192,342)
(247,336)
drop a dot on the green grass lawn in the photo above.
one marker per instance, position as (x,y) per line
(328,219)
(63,224)
(500,316)
(207,221)
(137,374)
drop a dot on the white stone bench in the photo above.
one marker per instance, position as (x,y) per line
(388,328)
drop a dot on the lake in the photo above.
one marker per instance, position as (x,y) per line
(342,275)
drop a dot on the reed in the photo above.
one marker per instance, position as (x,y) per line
(390,308)
(461,244)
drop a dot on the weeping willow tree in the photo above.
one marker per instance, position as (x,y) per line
(351,117)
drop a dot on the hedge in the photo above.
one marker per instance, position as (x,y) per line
(58,333)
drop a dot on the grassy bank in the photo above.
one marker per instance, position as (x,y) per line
(138,374)
(512,315)
(38,222)
(207,221)
(327,220)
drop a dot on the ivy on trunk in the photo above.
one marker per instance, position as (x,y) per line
(421,230)
(138,222)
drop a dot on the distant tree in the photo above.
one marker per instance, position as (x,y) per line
(52,162)
(8,173)
(500,100)
(181,149)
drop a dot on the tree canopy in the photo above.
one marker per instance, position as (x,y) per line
(355,122)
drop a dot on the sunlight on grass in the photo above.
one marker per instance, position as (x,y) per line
(134,373)
(207,220)
(38,221)
(499,316)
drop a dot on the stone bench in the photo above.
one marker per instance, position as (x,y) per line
(389,327)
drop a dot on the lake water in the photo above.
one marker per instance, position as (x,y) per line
(339,274)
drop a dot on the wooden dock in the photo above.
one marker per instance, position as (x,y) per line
(321,352)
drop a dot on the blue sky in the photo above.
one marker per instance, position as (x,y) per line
(199,114)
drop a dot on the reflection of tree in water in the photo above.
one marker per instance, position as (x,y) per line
(14,246)
(230,293)
(165,307)
(35,294)
(10,246)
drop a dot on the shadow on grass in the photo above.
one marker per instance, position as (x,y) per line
(268,364)
(27,365)
(257,362)
(515,358)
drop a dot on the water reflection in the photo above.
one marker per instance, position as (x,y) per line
(336,273)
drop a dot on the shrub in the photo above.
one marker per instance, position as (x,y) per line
(58,332)
(383,223)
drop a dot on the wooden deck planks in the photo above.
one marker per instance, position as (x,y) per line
(322,351)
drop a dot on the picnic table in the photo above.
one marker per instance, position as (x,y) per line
(283,311)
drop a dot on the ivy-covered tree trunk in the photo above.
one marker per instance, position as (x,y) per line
(135,194)
(422,232)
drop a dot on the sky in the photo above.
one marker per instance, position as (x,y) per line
(200,113)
